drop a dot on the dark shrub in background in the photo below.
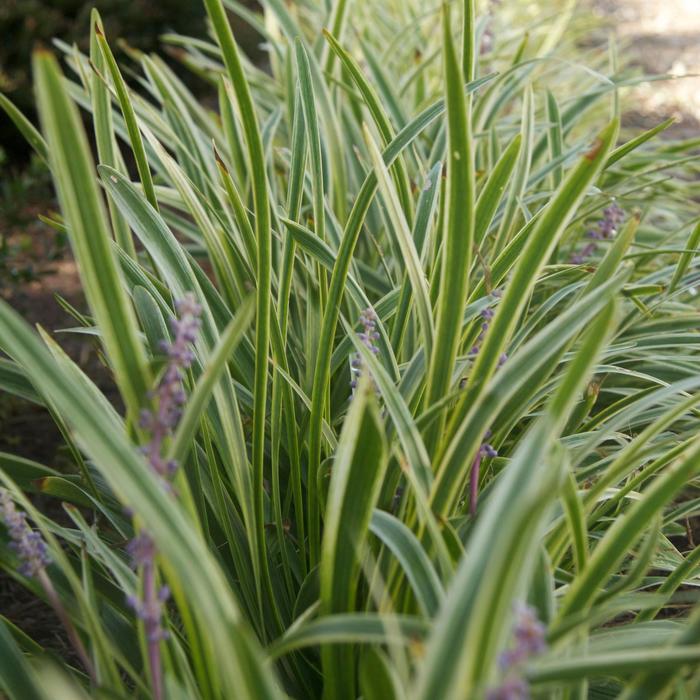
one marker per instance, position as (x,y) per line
(26,23)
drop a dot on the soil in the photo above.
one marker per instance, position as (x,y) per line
(35,267)
(660,37)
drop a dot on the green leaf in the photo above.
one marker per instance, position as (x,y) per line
(458,235)
(17,678)
(414,560)
(685,258)
(357,473)
(130,118)
(263,234)
(26,128)
(622,534)
(613,664)
(352,628)
(494,188)
(406,245)
(73,170)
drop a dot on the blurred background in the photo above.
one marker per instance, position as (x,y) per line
(25,24)
(660,37)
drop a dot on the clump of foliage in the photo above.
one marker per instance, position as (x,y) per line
(406,338)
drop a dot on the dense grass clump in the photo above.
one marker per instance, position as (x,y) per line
(405,335)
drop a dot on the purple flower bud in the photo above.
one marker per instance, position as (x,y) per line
(145,419)
(142,550)
(606,228)
(488,450)
(485,450)
(188,306)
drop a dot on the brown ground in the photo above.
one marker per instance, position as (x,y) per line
(661,37)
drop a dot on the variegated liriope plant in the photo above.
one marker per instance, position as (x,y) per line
(405,335)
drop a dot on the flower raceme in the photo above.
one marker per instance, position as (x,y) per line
(31,549)
(486,450)
(369,336)
(27,543)
(168,398)
(528,640)
(605,229)
(142,551)
(169,395)
(487,315)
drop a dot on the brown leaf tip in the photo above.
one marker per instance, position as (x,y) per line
(595,150)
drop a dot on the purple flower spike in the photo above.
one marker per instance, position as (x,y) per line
(606,228)
(142,550)
(529,632)
(529,639)
(487,314)
(31,549)
(169,395)
(169,398)
(512,689)
(27,543)
(150,611)
(368,336)
(485,451)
